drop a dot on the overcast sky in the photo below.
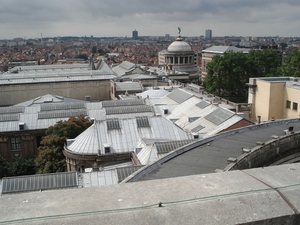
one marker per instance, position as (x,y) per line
(30,18)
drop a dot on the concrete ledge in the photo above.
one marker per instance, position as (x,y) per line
(257,196)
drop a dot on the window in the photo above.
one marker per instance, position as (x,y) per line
(15,143)
(107,150)
(288,104)
(295,106)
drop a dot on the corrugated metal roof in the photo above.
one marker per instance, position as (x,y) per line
(39,182)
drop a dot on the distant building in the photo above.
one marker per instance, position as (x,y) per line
(135,35)
(179,61)
(274,98)
(71,80)
(208,34)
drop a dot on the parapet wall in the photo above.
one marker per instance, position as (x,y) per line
(267,153)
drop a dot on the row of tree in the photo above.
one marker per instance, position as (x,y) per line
(227,75)
(50,158)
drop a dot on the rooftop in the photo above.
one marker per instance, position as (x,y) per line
(237,197)
(223,49)
(211,154)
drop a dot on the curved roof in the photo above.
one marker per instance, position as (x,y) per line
(179,46)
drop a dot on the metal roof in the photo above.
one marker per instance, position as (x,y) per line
(207,158)
(128,109)
(203,104)
(125,139)
(39,182)
(40,114)
(52,107)
(128,86)
(123,68)
(197,129)
(223,49)
(179,95)
(124,172)
(142,122)
(153,93)
(9,117)
(99,178)
(61,114)
(166,147)
(55,73)
(116,103)
(113,124)
(219,116)
(12,109)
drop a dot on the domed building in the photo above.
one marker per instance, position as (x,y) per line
(180,61)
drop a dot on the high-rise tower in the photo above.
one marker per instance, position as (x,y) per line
(135,35)
(208,34)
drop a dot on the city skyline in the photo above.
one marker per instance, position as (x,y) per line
(85,18)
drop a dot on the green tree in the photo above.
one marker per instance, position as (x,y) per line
(263,63)
(21,166)
(51,158)
(227,74)
(291,66)
(3,167)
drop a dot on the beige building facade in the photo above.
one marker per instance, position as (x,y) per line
(274,98)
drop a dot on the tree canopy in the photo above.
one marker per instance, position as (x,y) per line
(3,167)
(50,158)
(227,75)
(291,66)
(17,167)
